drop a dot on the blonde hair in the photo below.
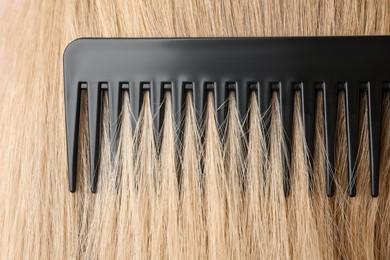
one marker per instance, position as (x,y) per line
(215,197)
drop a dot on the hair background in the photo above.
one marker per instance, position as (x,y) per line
(208,215)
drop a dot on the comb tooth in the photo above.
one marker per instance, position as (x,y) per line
(330,117)
(94,124)
(156,99)
(115,104)
(72,109)
(136,99)
(308,113)
(220,98)
(286,109)
(374,125)
(352,121)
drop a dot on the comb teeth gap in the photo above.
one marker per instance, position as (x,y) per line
(178,90)
(178,98)
(308,98)
(264,95)
(286,93)
(136,100)
(156,100)
(374,93)
(330,119)
(220,98)
(352,96)
(115,105)
(241,89)
(199,96)
(94,126)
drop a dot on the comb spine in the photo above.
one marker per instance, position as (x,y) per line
(374,92)
(94,125)
(72,109)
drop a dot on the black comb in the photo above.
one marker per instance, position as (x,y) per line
(263,65)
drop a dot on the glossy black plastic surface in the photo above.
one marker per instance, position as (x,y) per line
(305,64)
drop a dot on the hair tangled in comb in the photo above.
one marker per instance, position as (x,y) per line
(216,196)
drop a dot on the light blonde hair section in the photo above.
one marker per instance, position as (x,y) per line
(217,195)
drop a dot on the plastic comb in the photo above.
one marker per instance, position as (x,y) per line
(263,65)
